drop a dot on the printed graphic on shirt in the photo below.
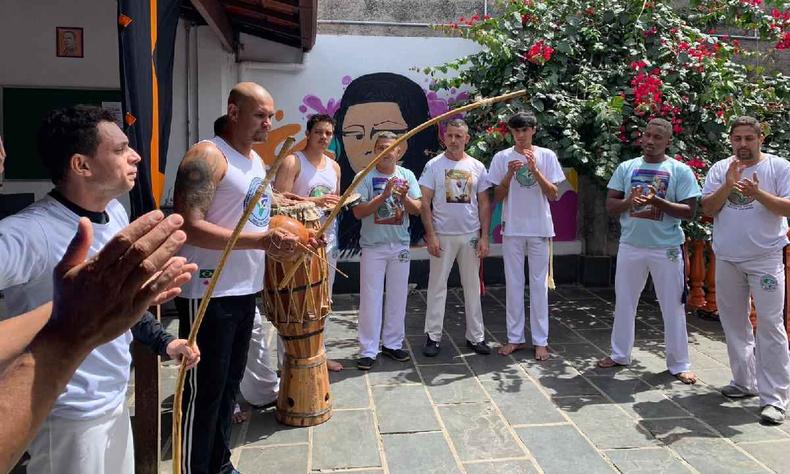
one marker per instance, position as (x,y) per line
(458,186)
(260,215)
(205,275)
(642,178)
(769,283)
(737,200)
(392,211)
(319,190)
(525,177)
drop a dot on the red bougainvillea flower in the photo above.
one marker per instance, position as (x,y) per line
(539,53)
(784,42)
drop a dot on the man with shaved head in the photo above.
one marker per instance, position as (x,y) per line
(652,194)
(215,182)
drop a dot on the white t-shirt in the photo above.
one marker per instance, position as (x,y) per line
(745,229)
(455,185)
(32,242)
(526,211)
(244,269)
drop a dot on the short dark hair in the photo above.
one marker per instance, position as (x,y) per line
(746,121)
(663,124)
(522,120)
(220,124)
(66,132)
(456,122)
(319,118)
(384,135)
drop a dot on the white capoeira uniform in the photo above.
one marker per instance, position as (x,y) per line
(528,228)
(749,242)
(651,242)
(88,429)
(384,238)
(456,221)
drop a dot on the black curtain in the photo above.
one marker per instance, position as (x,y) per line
(146,39)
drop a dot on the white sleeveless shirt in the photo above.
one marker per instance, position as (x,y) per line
(243,272)
(314,182)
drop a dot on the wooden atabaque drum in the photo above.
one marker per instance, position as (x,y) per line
(297,311)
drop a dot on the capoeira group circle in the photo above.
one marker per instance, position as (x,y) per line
(748,195)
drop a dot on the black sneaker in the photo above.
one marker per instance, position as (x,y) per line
(398,354)
(479,347)
(431,348)
(365,363)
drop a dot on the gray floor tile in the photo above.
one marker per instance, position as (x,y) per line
(561,449)
(637,397)
(348,387)
(452,384)
(386,371)
(419,452)
(264,430)
(700,447)
(647,461)
(500,467)
(333,448)
(274,459)
(605,424)
(403,408)
(772,454)
(477,432)
(523,403)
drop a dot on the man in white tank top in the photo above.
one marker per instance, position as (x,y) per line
(215,180)
(312,175)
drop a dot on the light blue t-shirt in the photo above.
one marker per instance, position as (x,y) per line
(390,222)
(648,226)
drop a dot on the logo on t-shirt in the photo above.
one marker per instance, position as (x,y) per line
(392,211)
(260,214)
(457,186)
(642,179)
(525,177)
(738,200)
(319,190)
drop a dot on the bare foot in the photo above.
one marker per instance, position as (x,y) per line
(510,347)
(334,366)
(541,353)
(688,378)
(608,363)
(241,412)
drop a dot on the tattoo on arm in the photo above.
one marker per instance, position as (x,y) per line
(195,187)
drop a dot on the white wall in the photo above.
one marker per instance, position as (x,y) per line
(28,59)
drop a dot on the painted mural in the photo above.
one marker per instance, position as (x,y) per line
(386,101)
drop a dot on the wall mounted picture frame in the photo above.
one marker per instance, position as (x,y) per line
(69,42)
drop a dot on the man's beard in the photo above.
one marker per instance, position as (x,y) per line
(744,154)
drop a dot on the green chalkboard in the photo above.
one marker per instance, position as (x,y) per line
(23,111)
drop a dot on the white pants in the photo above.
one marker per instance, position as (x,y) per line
(388,262)
(536,249)
(260,384)
(464,249)
(666,267)
(761,366)
(98,446)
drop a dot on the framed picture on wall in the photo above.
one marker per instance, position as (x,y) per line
(68,42)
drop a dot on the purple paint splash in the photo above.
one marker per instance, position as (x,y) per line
(438,105)
(315,103)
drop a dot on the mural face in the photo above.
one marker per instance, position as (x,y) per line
(361,124)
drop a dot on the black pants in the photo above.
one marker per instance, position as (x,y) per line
(210,389)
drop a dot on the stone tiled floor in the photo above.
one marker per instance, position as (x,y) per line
(462,412)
